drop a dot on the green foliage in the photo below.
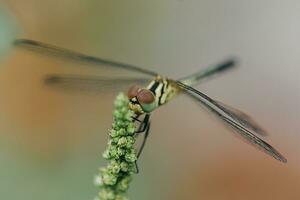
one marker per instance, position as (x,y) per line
(114,179)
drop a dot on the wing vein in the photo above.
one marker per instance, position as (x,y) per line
(214,107)
(72,55)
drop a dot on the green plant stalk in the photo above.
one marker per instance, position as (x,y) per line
(113,180)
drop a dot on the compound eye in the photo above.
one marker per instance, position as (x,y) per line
(145,96)
(133,91)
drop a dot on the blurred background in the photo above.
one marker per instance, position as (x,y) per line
(52,140)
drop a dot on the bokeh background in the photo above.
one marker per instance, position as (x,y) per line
(52,140)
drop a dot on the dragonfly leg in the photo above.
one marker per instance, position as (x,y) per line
(136,167)
(144,127)
(143,124)
(136,118)
(146,134)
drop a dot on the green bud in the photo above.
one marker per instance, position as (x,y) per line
(113,152)
(106,194)
(114,141)
(124,166)
(123,184)
(109,179)
(129,142)
(114,167)
(124,111)
(130,129)
(128,116)
(121,132)
(120,151)
(113,133)
(117,114)
(120,124)
(122,142)
(130,156)
(121,197)
(106,154)
(98,181)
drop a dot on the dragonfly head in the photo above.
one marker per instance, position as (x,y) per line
(141,100)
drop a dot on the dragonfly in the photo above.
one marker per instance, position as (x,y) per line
(158,91)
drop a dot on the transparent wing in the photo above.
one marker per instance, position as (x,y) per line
(55,51)
(103,83)
(243,119)
(223,114)
(209,72)
(92,83)
(236,114)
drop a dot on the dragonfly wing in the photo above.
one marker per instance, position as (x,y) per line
(92,83)
(55,51)
(236,114)
(243,119)
(209,72)
(218,110)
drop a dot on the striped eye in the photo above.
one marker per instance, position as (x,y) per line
(145,96)
(133,91)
